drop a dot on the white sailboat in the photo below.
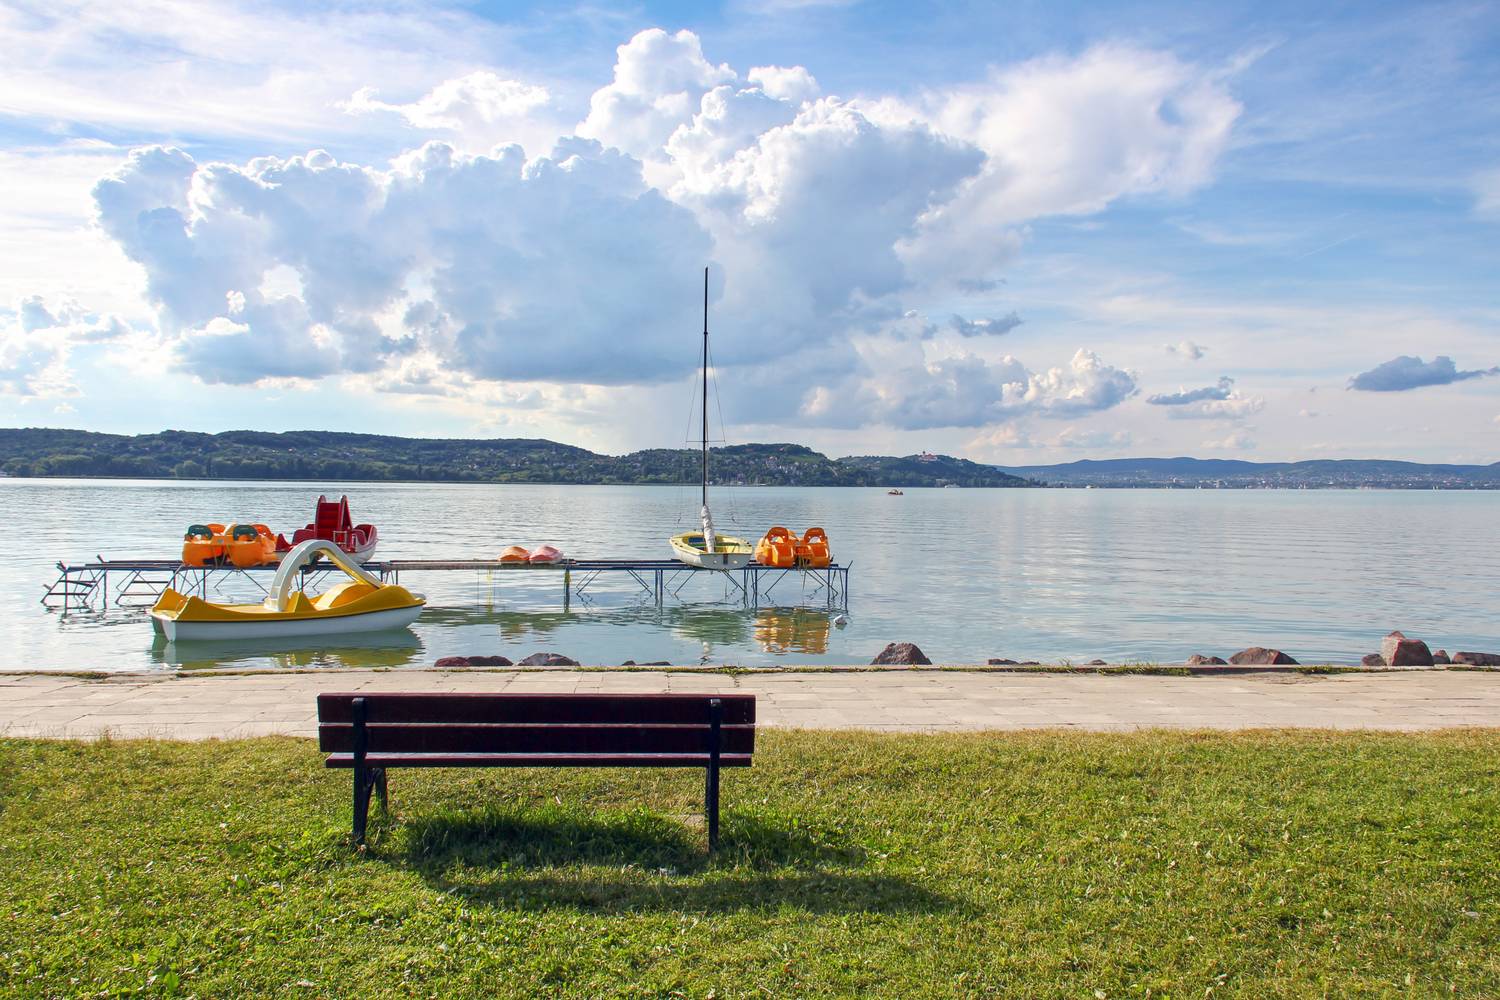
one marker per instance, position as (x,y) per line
(707,548)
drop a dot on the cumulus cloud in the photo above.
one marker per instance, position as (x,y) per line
(578,264)
(1222,390)
(1233,442)
(659,81)
(967,391)
(38,337)
(477,100)
(1407,372)
(565,267)
(1186,349)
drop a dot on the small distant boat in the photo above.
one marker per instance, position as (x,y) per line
(331,523)
(363,604)
(515,554)
(894,493)
(706,548)
(545,555)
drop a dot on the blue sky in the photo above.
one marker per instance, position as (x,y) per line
(1020,233)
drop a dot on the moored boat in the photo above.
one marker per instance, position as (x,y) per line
(812,549)
(515,554)
(249,545)
(545,555)
(203,545)
(362,604)
(331,523)
(778,548)
(707,548)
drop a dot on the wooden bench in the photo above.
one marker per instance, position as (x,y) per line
(372,733)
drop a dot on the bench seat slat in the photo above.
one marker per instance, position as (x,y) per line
(470,737)
(393,760)
(382,706)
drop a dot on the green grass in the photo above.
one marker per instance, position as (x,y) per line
(1068,865)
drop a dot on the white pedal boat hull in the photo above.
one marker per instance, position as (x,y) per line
(369,621)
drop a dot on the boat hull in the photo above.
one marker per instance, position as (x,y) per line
(729,553)
(367,621)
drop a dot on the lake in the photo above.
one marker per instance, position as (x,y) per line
(1121,575)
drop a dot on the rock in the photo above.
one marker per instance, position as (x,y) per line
(901,653)
(1440,657)
(628,663)
(489,661)
(657,663)
(548,660)
(995,661)
(1260,656)
(1199,660)
(1029,663)
(1399,651)
(1477,659)
(1097,663)
(452,661)
(1373,660)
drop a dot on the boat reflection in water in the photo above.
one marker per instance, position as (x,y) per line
(386,649)
(792,630)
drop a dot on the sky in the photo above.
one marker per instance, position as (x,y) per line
(1020,233)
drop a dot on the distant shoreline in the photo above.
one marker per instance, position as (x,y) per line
(1113,487)
(324,456)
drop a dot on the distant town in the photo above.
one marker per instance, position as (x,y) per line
(327,455)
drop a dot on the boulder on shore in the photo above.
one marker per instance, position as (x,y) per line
(1399,651)
(548,660)
(1097,663)
(1373,660)
(1260,656)
(489,661)
(996,661)
(1440,658)
(1199,660)
(1477,659)
(452,661)
(901,653)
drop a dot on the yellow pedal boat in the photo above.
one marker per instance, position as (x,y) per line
(362,604)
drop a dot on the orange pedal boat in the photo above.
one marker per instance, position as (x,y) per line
(515,554)
(813,550)
(778,548)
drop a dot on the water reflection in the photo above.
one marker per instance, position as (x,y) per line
(384,649)
(792,630)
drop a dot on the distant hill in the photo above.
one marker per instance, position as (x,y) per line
(1235,474)
(328,455)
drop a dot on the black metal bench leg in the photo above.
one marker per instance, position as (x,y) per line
(711,789)
(363,782)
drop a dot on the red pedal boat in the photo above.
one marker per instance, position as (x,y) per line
(332,523)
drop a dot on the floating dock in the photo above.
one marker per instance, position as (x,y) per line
(141,581)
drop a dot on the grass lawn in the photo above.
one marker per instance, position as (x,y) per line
(1034,864)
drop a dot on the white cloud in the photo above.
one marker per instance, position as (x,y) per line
(1233,442)
(479,100)
(785,83)
(37,339)
(1068,137)
(1186,349)
(1232,408)
(967,391)
(659,80)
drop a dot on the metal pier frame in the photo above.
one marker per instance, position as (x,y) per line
(142,581)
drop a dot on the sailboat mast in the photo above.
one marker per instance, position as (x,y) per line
(705,388)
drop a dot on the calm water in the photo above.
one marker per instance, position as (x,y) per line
(1131,575)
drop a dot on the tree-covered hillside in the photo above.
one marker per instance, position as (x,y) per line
(326,455)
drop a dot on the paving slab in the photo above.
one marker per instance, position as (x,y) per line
(235,705)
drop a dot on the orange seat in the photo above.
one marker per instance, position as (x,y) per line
(813,550)
(777,548)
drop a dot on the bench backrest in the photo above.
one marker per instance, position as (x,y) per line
(537,723)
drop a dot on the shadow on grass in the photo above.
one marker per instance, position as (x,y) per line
(529,859)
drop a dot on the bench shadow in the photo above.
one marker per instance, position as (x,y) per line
(527,859)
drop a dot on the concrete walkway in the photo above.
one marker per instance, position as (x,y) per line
(226,706)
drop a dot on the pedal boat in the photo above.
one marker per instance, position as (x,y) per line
(813,549)
(331,523)
(203,545)
(778,548)
(361,604)
(515,554)
(546,555)
(249,545)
